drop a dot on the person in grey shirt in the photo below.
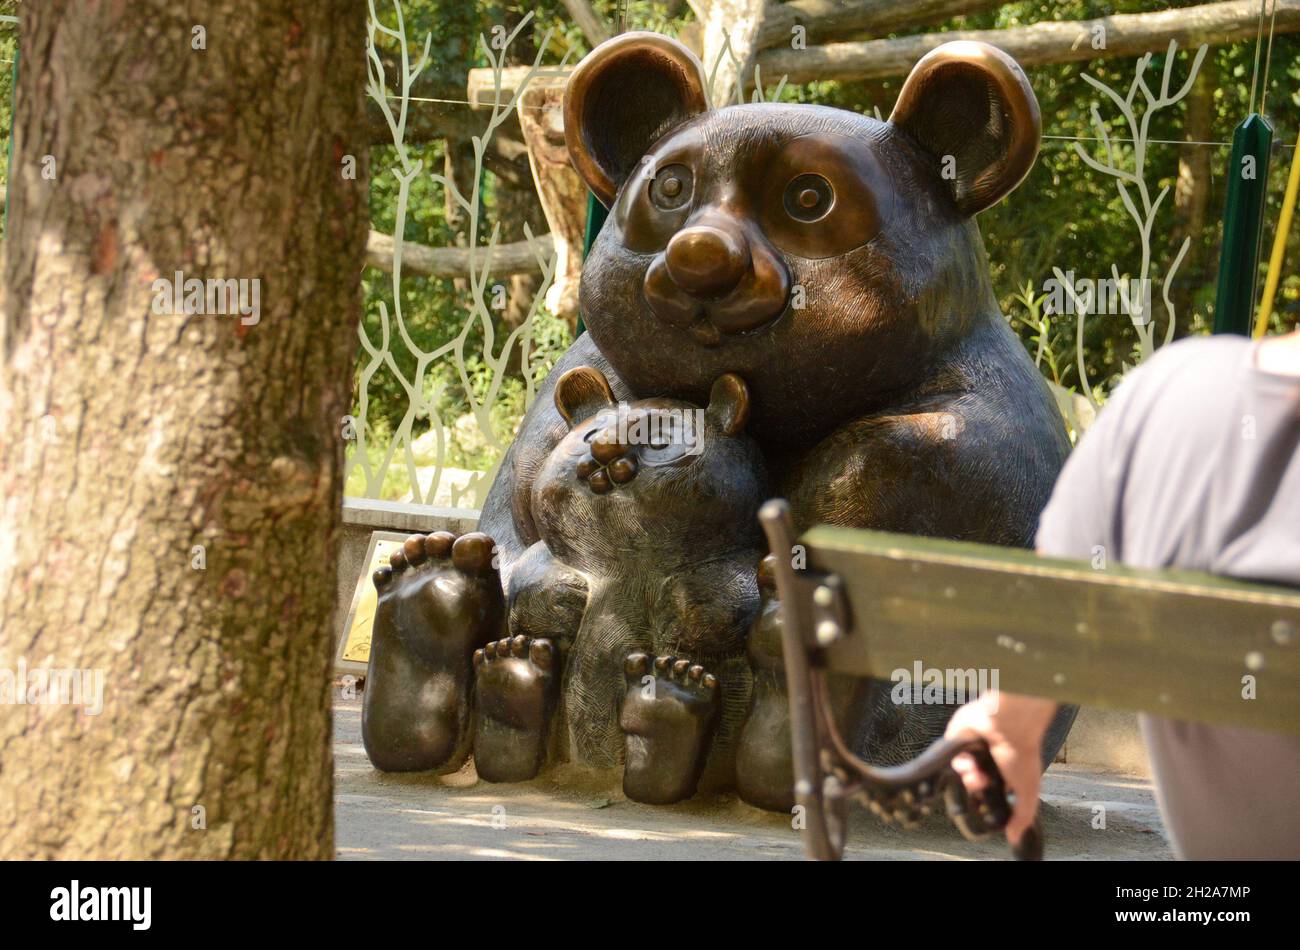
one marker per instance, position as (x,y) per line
(1193,463)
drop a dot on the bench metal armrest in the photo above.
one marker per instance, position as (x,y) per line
(1180,644)
(828,776)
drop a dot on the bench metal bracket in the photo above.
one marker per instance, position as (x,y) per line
(828,775)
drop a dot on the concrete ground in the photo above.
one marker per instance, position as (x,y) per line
(561,817)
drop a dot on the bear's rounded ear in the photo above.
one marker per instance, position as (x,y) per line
(728,404)
(622,98)
(581,393)
(970,105)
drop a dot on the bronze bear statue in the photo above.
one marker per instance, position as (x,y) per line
(831,262)
(647,515)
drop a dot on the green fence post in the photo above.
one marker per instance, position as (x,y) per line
(596,215)
(1243,225)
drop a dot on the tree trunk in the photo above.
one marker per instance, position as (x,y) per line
(171,481)
(1192,195)
(517,204)
(728,31)
(593,26)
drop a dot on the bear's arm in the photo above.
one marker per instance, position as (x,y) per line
(704,610)
(545,597)
(968,466)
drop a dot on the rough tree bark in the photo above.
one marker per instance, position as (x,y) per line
(518,203)
(132,437)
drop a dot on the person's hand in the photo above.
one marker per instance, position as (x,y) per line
(1013,726)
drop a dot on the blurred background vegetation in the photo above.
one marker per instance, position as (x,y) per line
(1064,216)
(8,53)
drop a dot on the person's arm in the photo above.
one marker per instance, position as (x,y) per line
(1076,523)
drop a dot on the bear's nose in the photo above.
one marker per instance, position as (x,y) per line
(706,260)
(606,447)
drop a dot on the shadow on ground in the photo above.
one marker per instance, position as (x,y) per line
(456,817)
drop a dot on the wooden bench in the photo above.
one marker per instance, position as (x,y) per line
(1174,643)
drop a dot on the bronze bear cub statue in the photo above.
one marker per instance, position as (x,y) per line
(825,269)
(645,570)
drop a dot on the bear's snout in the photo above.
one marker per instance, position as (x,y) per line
(717,276)
(610,462)
(707,261)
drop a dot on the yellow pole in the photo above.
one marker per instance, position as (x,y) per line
(1279,244)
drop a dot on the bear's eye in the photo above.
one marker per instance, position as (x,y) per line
(809,197)
(666,440)
(671,187)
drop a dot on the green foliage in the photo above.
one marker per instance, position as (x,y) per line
(1068,216)
(1048,345)
(8,54)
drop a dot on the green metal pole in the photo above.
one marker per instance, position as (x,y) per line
(596,215)
(1243,226)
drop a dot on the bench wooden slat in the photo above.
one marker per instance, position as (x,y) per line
(1174,643)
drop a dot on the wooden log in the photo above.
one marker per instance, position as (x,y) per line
(1125,35)
(419,260)
(1172,643)
(833,19)
(1034,45)
(481,86)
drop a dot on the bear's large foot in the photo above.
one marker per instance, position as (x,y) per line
(439,601)
(514,689)
(764,763)
(668,717)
